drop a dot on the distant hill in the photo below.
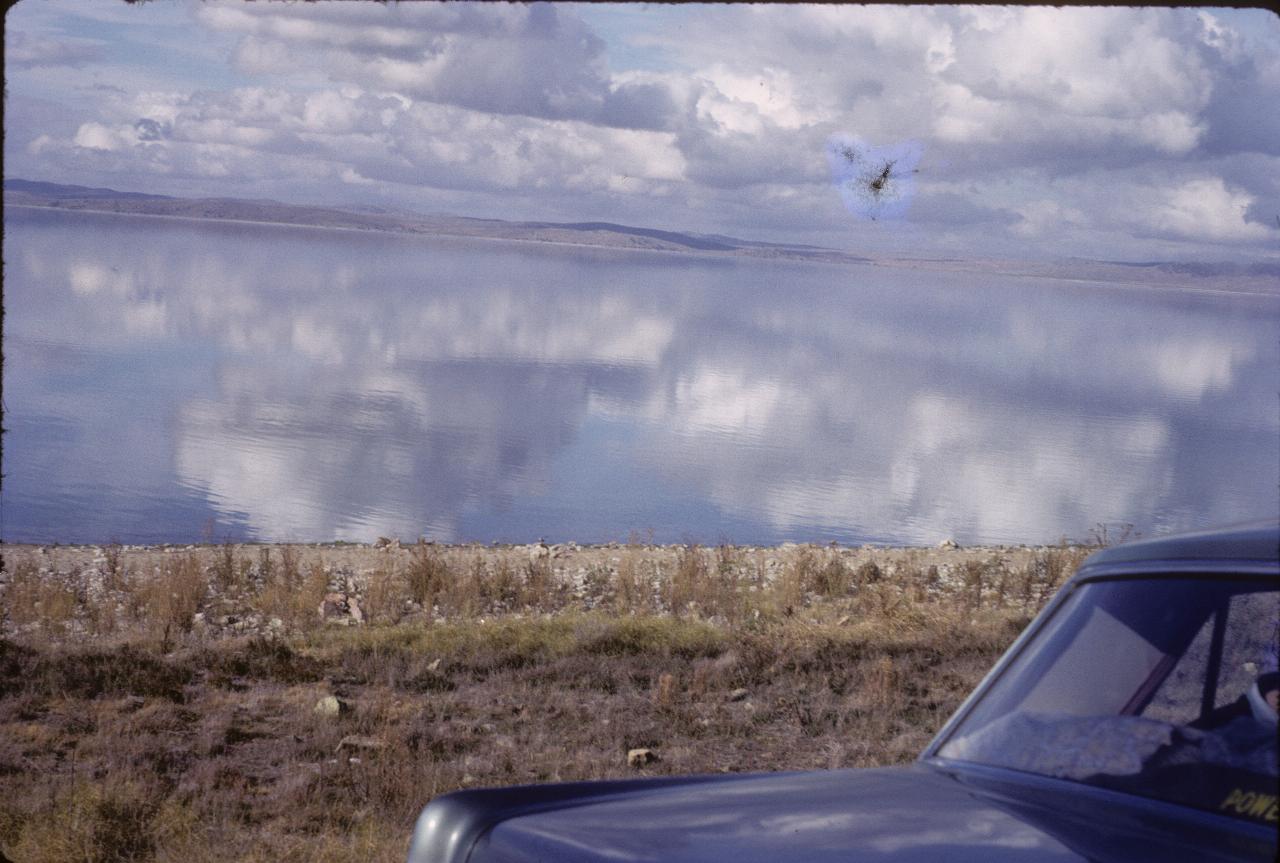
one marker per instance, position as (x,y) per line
(1254,277)
(58,190)
(1207,268)
(368,218)
(666,236)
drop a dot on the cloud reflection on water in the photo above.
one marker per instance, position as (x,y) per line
(362,385)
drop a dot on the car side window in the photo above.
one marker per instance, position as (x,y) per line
(1161,688)
(1178,699)
(1252,643)
(1249,647)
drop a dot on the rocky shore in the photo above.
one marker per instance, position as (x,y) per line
(255,589)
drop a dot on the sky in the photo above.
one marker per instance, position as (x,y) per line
(1108,133)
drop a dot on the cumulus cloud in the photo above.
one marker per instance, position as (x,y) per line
(1238,114)
(349,135)
(26,51)
(1038,126)
(1036,85)
(1205,208)
(95,136)
(1046,216)
(538,60)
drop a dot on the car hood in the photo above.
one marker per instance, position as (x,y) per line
(905,814)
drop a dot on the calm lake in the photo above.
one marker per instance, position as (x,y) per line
(170,380)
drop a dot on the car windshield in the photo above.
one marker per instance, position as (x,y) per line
(1165,688)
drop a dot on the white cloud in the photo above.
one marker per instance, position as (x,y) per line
(538,60)
(1046,216)
(95,136)
(31,51)
(1205,208)
(330,112)
(1063,77)
(526,109)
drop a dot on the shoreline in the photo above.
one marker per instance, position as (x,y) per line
(1253,286)
(383,544)
(63,593)
(824,256)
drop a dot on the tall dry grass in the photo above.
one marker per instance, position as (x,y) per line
(633,585)
(166,605)
(428,574)
(161,595)
(292,592)
(44,603)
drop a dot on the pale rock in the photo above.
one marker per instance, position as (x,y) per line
(641,757)
(333,606)
(332,705)
(360,743)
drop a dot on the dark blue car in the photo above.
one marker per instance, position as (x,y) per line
(1135,719)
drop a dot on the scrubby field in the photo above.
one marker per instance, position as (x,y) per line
(279,703)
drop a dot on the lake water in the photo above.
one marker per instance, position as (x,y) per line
(170,380)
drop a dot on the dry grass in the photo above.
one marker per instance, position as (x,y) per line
(633,591)
(162,740)
(289,593)
(167,605)
(47,604)
(385,596)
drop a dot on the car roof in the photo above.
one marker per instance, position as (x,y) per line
(1257,541)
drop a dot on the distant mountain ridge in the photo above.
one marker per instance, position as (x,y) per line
(669,236)
(58,190)
(362,217)
(1207,268)
(1254,277)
